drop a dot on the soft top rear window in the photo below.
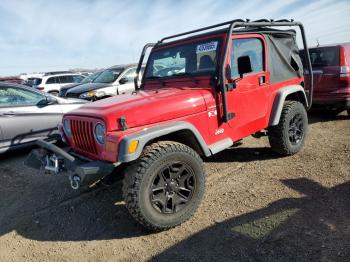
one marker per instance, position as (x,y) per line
(324,56)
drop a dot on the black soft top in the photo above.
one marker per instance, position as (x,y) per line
(283,59)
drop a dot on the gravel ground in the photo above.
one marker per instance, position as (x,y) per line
(257,207)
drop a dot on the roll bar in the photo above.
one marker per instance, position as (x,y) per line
(238,23)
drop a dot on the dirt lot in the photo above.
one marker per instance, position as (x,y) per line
(257,207)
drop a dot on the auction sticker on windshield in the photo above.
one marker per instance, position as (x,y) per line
(207,47)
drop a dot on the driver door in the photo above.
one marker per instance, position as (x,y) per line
(249,100)
(24,118)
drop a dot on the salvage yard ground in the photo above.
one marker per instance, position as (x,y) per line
(257,207)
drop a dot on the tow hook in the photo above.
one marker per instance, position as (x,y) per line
(75,182)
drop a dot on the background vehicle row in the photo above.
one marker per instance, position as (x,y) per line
(113,81)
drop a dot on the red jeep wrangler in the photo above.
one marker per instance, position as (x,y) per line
(199,94)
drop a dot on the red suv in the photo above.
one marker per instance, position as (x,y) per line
(201,92)
(331,71)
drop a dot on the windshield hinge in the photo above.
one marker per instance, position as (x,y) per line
(231,115)
(230,86)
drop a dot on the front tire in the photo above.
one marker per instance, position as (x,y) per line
(288,137)
(165,186)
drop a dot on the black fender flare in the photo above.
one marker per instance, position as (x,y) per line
(149,134)
(281,96)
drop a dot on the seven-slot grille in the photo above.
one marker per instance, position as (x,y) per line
(83,135)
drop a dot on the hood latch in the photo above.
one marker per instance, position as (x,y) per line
(122,122)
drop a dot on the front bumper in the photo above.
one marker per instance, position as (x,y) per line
(80,170)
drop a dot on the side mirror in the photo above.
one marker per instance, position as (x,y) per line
(48,100)
(123,81)
(231,81)
(244,65)
(51,100)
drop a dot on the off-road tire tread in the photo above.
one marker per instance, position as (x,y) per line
(134,173)
(275,134)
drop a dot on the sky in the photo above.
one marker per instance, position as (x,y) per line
(41,35)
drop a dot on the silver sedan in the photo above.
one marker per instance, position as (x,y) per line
(27,114)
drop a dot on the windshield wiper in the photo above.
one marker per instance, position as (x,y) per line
(152,77)
(196,81)
(158,78)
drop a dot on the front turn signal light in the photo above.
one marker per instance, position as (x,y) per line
(133,146)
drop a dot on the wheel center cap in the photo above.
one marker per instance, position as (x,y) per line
(172,185)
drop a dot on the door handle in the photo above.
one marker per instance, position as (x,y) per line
(9,113)
(262,80)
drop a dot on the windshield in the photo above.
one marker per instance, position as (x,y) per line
(90,78)
(108,76)
(185,59)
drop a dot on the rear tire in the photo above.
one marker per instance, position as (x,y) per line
(288,137)
(165,186)
(348,110)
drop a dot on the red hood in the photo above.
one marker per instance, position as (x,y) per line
(145,107)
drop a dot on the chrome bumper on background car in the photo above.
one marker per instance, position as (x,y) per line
(80,170)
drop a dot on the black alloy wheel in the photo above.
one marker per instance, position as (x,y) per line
(296,129)
(172,188)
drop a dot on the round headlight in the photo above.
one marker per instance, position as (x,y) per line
(66,127)
(100,133)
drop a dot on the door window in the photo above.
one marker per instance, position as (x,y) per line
(130,74)
(52,80)
(251,47)
(11,96)
(66,79)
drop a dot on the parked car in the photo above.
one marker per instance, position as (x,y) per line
(33,75)
(237,81)
(52,83)
(27,114)
(113,81)
(331,71)
(87,79)
(12,79)
(35,79)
